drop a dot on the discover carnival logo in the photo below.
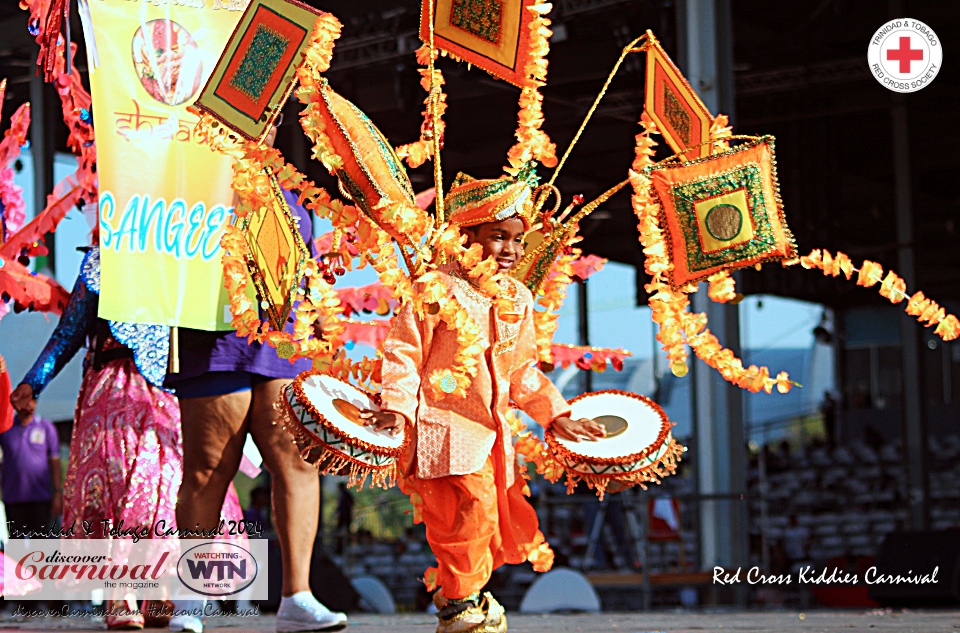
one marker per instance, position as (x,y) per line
(217,569)
(904,55)
(70,568)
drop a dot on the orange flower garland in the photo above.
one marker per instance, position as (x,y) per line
(892,287)
(430,576)
(387,265)
(554,293)
(321,304)
(722,288)
(532,142)
(364,373)
(670,308)
(541,555)
(433,298)
(552,296)
(419,152)
(534,451)
(679,327)
(666,305)
(468,354)
(254,167)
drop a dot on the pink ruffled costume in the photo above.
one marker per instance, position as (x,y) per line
(126,453)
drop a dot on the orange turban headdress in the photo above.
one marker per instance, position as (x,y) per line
(470,202)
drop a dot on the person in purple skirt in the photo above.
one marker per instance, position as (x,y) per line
(227,389)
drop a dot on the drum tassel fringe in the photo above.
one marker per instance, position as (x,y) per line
(553,469)
(329,462)
(652,474)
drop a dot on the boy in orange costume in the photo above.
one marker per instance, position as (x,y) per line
(461,460)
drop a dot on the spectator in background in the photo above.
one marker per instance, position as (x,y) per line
(344,518)
(259,510)
(32,482)
(796,543)
(344,510)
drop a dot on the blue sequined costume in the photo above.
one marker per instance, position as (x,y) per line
(149,344)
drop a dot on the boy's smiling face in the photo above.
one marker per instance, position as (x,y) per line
(501,240)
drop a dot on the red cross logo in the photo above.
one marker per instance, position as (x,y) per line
(905,54)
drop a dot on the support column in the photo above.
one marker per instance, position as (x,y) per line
(706,57)
(914,422)
(584,323)
(40,150)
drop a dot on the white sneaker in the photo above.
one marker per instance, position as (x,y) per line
(187,621)
(303,612)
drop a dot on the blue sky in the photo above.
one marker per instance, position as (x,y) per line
(766,322)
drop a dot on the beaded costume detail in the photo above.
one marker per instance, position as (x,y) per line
(150,344)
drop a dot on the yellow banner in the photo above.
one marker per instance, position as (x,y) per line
(165,196)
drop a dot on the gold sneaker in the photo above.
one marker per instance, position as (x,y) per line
(479,613)
(460,616)
(496,620)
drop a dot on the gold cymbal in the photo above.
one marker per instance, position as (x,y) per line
(614,424)
(348,410)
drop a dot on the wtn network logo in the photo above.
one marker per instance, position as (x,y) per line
(217,569)
(222,568)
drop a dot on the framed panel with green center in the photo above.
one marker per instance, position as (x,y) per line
(492,35)
(722,212)
(257,70)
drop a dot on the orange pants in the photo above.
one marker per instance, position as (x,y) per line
(474,526)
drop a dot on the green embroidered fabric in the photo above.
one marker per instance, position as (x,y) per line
(479,17)
(686,195)
(677,116)
(261,60)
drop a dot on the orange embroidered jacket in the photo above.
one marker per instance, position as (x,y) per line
(455,435)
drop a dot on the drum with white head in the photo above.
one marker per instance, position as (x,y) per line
(639,447)
(322,412)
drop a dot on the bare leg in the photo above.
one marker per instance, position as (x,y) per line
(214,429)
(295,488)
